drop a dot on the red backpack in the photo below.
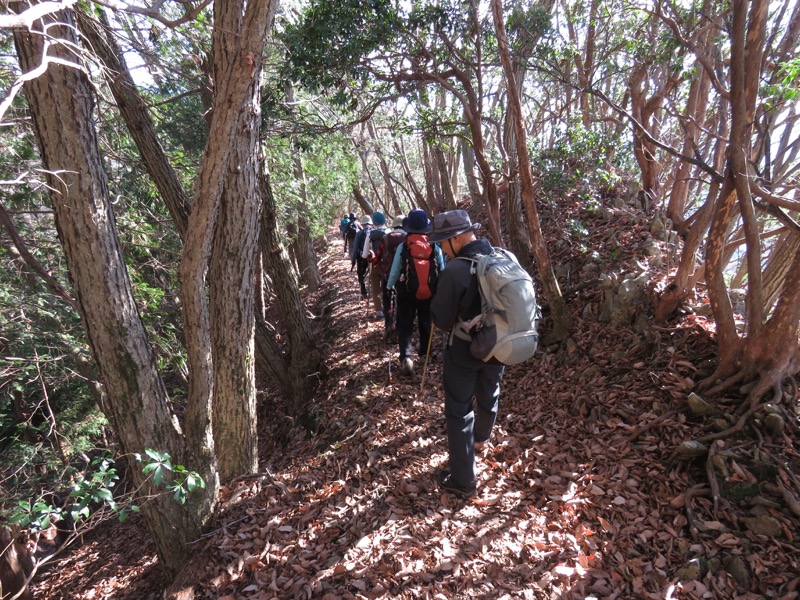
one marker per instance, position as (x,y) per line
(420,270)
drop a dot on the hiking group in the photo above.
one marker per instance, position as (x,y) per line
(440,274)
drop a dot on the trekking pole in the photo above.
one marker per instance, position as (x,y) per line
(427,356)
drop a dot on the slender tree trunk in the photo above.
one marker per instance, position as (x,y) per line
(419,198)
(562,320)
(306,259)
(433,183)
(746,45)
(473,185)
(304,360)
(133,110)
(390,196)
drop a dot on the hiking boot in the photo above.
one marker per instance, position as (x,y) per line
(407,367)
(379,315)
(446,482)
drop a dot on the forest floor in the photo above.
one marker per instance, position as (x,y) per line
(581,495)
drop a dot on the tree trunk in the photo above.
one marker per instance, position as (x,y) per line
(746,45)
(390,197)
(473,185)
(447,200)
(61,105)
(362,201)
(562,320)
(133,110)
(232,302)
(778,267)
(304,354)
(694,116)
(419,198)
(433,183)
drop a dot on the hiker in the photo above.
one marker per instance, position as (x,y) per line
(356,258)
(343,230)
(457,301)
(350,230)
(384,258)
(371,244)
(414,275)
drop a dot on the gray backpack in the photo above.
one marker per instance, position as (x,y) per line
(507,328)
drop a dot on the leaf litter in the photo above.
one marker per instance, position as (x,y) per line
(580,494)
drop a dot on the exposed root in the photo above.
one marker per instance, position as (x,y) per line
(769,380)
(723,385)
(667,416)
(697,490)
(736,428)
(791,500)
(712,477)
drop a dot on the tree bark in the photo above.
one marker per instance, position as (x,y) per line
(61,105)
(562,320)
(473,185)
(232,294)
(304,356)
(133,110)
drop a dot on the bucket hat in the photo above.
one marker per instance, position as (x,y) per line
(417,221)
(450,224)
(366,220)
(398,221)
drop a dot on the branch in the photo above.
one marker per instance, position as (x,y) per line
(646,134)
(772,199)
(25,19)
(56,287)
(152,12)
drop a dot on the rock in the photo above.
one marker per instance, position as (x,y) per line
(774,424)
(651,248)
(690,449)
(739,570)
(720,424)
(698,406)
(738,301)
(691,571)
(764,525)
(605,214)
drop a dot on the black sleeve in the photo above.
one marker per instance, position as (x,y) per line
(455,295)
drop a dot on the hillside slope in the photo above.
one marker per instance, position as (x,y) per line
(582,494)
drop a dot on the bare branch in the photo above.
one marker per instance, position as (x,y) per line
(153,12)
(34,13)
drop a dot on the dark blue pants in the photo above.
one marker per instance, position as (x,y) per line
(409,308)
(465,378)
(362,265)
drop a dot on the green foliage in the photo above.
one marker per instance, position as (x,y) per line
(327,45)
(577,161)
(787,84)
(182,482)
(92,492)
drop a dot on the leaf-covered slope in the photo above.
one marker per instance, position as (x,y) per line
(581,494)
